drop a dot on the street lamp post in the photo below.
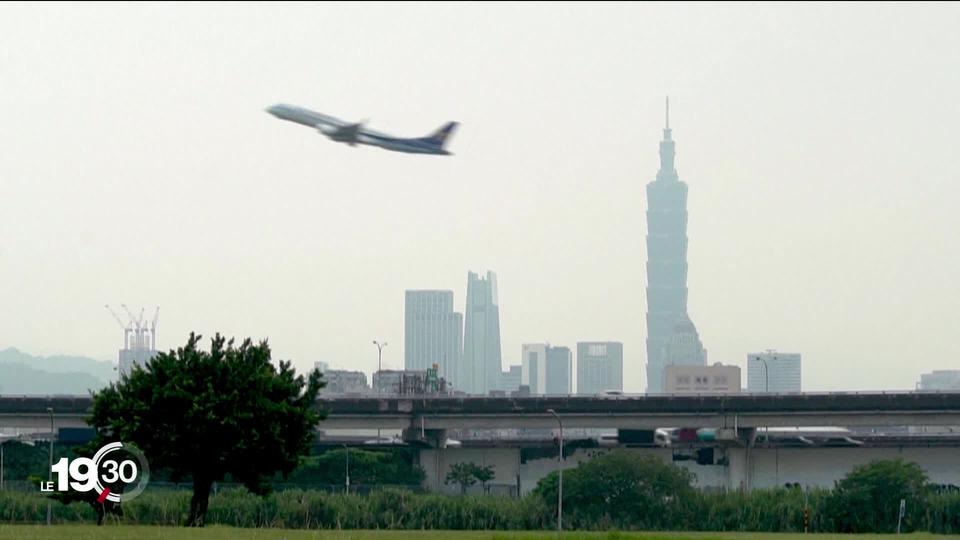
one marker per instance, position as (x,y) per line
(766,390)
(560,460)
(50,469)
(766,375)
(379,373)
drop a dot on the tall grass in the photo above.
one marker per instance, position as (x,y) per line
(776,510)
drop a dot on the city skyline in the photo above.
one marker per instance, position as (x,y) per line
(141,168)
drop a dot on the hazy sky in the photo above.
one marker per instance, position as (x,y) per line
(819,143)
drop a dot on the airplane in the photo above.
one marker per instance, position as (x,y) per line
(354,133)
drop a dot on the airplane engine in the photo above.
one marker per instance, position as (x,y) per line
(327,130)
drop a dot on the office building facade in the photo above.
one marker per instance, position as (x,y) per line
(599,367)
(558,371)
(433,334)
(533,364)
(482,364)
(774,372)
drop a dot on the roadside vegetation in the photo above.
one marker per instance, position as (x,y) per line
(615,492)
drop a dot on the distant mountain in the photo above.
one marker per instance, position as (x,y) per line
(21,373)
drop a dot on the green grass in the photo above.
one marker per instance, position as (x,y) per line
(123,532)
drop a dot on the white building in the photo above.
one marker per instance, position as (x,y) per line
(718,378)
(433,333)
(773,371)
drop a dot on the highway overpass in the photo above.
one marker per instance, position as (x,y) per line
(730,411)
(741,460)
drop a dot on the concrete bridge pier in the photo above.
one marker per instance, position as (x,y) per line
(740,466)
(433,438)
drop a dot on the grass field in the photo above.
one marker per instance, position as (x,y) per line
(121,532)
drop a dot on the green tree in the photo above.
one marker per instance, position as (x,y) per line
(463,474)
(621,489)
(868,498)
(483,474)
(206,415)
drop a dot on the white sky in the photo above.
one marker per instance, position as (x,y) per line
(819,142)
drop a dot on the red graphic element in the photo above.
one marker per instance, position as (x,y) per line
(103,496)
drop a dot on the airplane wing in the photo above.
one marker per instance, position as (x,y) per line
(350,131)
(341,131)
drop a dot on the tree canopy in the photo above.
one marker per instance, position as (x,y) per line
(207,414)
(621,489)
(868,498)
(463,474)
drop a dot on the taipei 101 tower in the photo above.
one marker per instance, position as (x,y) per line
(666,263)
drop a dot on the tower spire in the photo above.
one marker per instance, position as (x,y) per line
(668,112)
(667,155)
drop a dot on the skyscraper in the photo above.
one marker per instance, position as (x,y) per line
(433,334)
(533,371)
(666,258)
(559,371)
(599,367)
(773,372)
(546,369)
(481,340)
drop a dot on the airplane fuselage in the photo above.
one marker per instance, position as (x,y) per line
(353,134)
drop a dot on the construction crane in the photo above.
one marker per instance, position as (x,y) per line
(153,329)
(137,335)
(139,341)
(126,328)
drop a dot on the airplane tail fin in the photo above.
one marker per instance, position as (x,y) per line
(442,135)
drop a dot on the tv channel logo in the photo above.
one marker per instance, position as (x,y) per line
(118,472)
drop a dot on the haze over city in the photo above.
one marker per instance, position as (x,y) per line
(817,142)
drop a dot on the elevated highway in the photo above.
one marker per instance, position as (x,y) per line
(730,411)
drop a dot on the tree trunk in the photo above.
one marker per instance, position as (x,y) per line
(198,503)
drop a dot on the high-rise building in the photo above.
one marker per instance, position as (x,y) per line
(532,361)
(693,379)
(943,379)
(433,334)
(599,367)
(481,339)
(559,371)
(773,371)
(510,380)
(666,258)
